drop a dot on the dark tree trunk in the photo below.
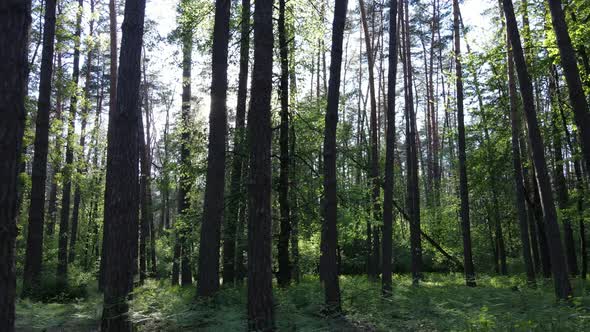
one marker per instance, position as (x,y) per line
(284,273)
(563,288)
(81,158)
(260,298)
(112,106)
(413,189)
(68,170)
(559,181)
(230,231)
(176,261)
(208,279)
(517,164)
(463,189)
(374,154)
(121,210)
(34,251)
(328,260)
(572,76)
(15,22)
(389,154)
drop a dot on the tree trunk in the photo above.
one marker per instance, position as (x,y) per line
(182,227)
(34,251)
(121,194)
(412,156)
(284,273)
(563,288)
(260,298)
(374,153)
(517,164)
(328,259)
(68,170)
(232,220)
(112,106)
(572,76)
(208,278)
(463,189)
(15,22)
(389,155)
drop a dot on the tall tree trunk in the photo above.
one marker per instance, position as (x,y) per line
(68,170)
(34,251)
(182,228)
(15,22)
(328,260)
(121,210)
(559,181)
(81,159)
(232,219)
(374,153)
(284,273)
(563,288)
(517,164)
(112,106)
(260,298)
(208,279)
(572,76)
(463,189)
(389,154)
(413,190)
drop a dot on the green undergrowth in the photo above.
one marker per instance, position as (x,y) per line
(440,303)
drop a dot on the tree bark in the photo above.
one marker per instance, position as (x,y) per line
(284,273)
(260,299)
(386,264)
(15,22)
(34,251)
(463,186)
(517,164)
(68,169)
(232,219)
(208,278)
(572,76)
(563,288)
(121,210)
(328,259)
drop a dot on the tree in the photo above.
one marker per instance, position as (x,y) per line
(463,186)
(515,125)
(208,280)
(563,288)
(121,209)
(62,254)
(572,76)
(260,298)
(284,273)
(328,261)
(15,22)
(389,153)
(374,155)
(231,244)
(112,107)
(34,251)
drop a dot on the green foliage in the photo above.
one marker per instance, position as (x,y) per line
(441,303)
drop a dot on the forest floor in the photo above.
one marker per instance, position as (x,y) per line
(441,303)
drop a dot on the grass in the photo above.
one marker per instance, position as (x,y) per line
(441,303)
